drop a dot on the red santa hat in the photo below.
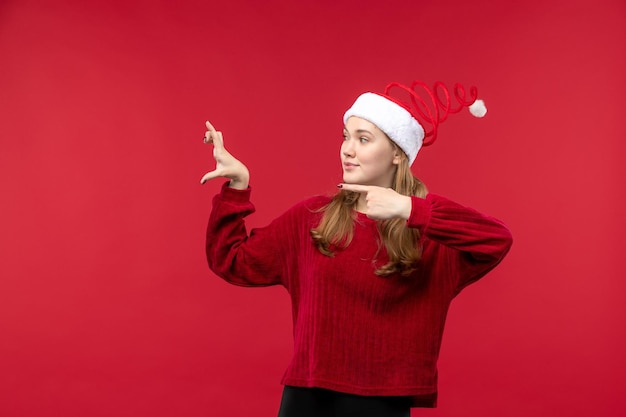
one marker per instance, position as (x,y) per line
(403,121)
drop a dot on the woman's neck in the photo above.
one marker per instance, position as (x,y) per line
(361,204)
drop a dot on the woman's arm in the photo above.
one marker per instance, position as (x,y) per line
(250,259)
(481,241)
(239,258)
(484,238)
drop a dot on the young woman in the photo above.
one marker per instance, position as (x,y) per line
(371,271)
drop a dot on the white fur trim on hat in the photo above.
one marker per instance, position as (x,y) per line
(391,118)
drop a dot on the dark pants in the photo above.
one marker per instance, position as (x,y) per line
(316,402)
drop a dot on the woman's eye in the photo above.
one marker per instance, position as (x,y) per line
(363,140)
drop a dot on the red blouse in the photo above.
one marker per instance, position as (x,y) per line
(356,332)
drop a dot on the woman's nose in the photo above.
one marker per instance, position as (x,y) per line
(347,148)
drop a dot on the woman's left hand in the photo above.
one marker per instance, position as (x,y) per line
(382,203)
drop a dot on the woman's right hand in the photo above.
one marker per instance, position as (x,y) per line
(227,166)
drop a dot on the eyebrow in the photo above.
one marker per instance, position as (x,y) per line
(359,131)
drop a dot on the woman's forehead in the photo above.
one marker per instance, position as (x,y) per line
(355,123)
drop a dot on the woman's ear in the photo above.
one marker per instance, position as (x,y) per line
(397,157)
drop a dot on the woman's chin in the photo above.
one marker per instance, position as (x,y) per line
(349,178)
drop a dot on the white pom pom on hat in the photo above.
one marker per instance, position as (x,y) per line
(478,108)
(401,121)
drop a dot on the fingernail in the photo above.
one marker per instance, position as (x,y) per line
(339,185)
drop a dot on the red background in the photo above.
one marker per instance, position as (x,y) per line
(107,307)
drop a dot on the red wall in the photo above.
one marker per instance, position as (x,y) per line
(107,307)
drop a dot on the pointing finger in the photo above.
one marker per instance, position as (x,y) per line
(210,126)
(208,135)
(213,136)
(355,187)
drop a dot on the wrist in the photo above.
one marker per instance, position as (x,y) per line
(240,183)
(406,207)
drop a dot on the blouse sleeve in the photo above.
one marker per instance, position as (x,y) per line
(254,259)
(479,241)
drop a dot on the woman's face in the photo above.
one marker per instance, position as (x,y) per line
(367,155)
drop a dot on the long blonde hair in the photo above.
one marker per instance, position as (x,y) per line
(402,243)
